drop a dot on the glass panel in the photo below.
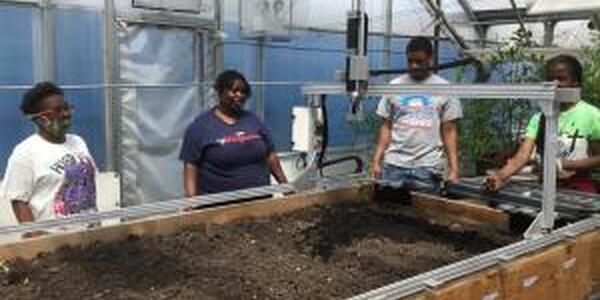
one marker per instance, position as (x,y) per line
(411,18)
(16,59)
(78,55)
(573,34)
(504,32)
(459,20)
(495,4)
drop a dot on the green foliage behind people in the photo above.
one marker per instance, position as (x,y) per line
(491,128)
(591,72)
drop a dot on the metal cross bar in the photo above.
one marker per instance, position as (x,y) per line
(98,86)
(151,209)
(546,91)
(547,95)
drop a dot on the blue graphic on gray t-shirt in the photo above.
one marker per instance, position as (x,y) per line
(416,122)
(415,111)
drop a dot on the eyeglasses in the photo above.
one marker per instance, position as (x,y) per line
(66,108)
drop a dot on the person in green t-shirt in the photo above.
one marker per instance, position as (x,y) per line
(579,135)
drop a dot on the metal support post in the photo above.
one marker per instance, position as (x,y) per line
(549,33)
(387,42)
(111,128)
(260,97)
(550,150)
(43,42)
(218,40)
(436,42)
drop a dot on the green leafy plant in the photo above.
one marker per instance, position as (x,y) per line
(591,77)
(591,70)
(491,128)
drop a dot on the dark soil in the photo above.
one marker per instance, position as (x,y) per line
(315,253)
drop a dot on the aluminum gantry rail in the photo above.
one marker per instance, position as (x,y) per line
(547,95)
(438,277)
(151,209)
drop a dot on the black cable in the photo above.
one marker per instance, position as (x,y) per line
(321,162)
(482,73)
(540,138)
(355,158)
(325,134)
(303,48)
(518,15)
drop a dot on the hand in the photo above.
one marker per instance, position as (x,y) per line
(452,177)
(494,182)
(376,170)
(561,171)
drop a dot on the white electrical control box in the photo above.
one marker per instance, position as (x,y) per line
(303,129)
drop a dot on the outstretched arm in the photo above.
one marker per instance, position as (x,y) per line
(383,141)
(496,181)
(450,138)
(275,167)
(586,164)
(190,179)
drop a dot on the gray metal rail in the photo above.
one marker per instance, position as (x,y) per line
(548,96)
(529,195)
(151,209)
(443,275)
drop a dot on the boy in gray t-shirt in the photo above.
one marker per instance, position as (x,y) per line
(416,129)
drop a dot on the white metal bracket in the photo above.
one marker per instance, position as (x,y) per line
(536,228)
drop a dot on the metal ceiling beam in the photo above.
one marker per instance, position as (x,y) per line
(519,15)
(466,7)
(464,4)
(435,11)
(509,16)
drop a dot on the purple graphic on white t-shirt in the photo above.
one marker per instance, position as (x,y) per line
(78,192)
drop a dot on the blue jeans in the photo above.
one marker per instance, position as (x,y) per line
(423,179)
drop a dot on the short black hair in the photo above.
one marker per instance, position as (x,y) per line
(32,99)
(573,63)
(226,79)
(419,43)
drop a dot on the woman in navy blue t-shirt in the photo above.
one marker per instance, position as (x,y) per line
(227,147)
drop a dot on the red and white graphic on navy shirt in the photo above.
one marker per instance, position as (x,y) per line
(239,137)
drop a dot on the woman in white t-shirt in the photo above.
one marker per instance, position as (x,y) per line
(51,173)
